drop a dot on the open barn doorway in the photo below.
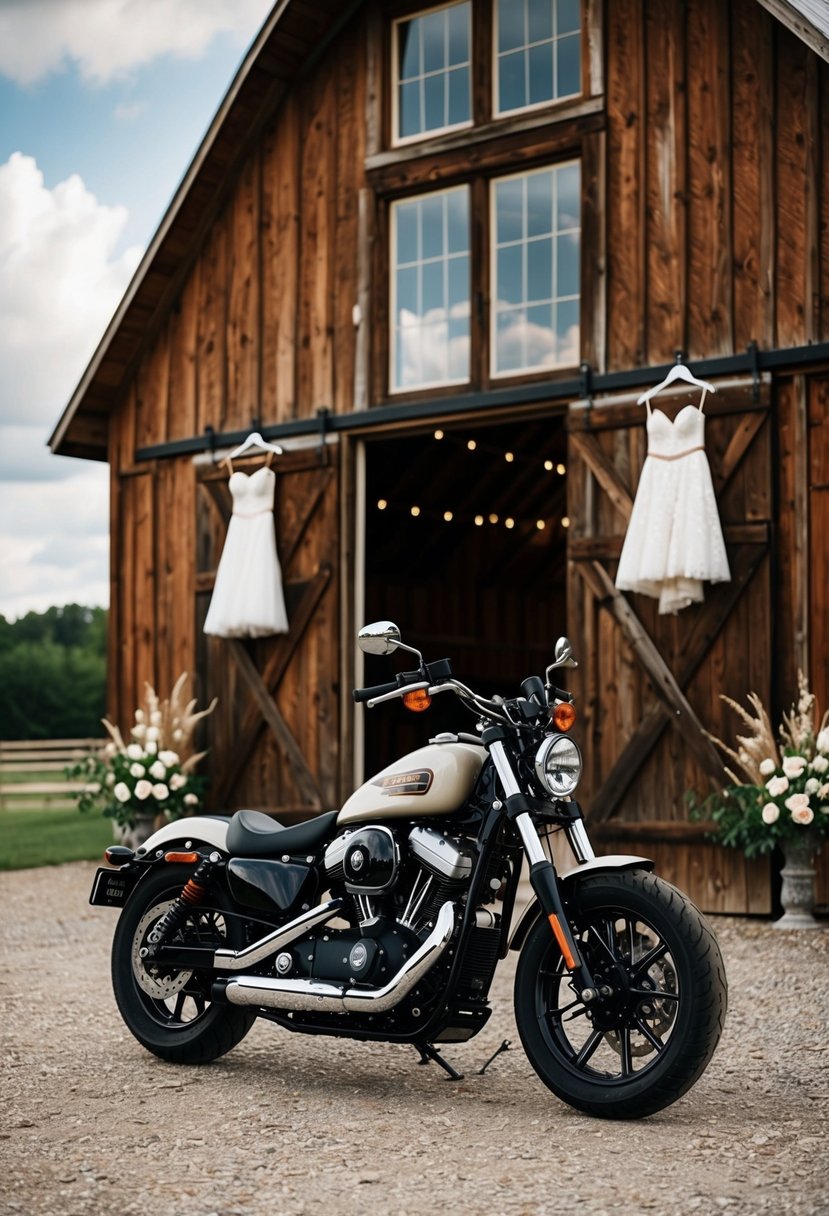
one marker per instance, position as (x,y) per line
(465,550)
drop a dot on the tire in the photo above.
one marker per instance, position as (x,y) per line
(170,1013)
(652,1038)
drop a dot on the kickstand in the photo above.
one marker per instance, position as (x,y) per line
(504,1047)
(428,1052)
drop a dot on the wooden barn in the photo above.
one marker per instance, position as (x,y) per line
(436,252)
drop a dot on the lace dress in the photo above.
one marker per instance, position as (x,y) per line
(674,540)
(247,595)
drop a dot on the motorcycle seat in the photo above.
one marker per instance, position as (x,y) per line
(252,834)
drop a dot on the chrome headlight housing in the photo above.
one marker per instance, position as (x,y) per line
(558,765)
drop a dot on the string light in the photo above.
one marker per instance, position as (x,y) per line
(438,434)
(415,511)
(509,523)
(472,445)
(509,457)
(561,468)
(381,504)
(448,516)
(540,524)
(565,521)
(479,520)
(548,465)
(493,519)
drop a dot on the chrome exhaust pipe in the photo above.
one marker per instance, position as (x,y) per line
(237,960)
(311,995)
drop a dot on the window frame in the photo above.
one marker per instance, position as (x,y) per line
(402,141)
(499,115)
(491,333)
(391,328)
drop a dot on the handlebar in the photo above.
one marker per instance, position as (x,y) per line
(376,690)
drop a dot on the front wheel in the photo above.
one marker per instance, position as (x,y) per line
(652,1034)
(170,1011)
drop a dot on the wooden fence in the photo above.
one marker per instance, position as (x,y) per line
(32,772)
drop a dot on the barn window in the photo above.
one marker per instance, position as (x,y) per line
(432,65)
(536,238)
(538,52)
(430,290)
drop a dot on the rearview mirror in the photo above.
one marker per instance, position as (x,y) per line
(381,637)
(563,655)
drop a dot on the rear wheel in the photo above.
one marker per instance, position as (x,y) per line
(170,1012)
(652,1035)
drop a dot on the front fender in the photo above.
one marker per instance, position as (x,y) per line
(599,865)
(200,829)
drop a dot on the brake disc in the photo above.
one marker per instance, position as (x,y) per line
(156,981)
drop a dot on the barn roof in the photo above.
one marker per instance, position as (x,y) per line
(292,39)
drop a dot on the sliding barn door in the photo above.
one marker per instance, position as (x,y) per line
(274,736)
(650,686)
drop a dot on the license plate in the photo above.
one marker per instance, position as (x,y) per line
(111,888)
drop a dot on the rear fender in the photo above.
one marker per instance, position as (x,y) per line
(599,865)
(208,830)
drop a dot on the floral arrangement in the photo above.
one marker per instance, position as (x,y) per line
(152,774)
(781,789)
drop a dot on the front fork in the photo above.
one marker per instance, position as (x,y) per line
(542,872)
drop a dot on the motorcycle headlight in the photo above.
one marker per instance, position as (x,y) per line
(558,765)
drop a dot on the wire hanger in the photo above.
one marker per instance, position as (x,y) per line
(678,372)
(255,440)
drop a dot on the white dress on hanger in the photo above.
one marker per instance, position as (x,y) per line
(247,597)
(674,540)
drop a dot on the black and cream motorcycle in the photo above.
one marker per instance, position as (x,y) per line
(387,918)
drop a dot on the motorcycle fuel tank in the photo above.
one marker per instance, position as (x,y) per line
(433,780)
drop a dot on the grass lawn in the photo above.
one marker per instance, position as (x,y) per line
(48,837)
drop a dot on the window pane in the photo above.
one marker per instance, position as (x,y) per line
(509,206)
(539,20)
(568,16)
(433,302)
(510,284)
(410,123)
(568,182)
(409,50)
(512,88)
(567,279)
(510,24)
(459,287)
(433,26)
(509,342)
(541,73)
(567,330)
(406,220)
(541,337)
(568,51)
(458,18)
(458,96)
(539,204)
(459,350)
(431,216)
(434,92)
(540,270)
(407,291)
(457,206)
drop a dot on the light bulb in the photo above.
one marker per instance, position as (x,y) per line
(509,457)
(448,516)
(565,521)
(381,504)
(438,434)
(509,523)
(493,519)
(548,465)
(472,445)
(479,519)
(562,469)
(540,524)
(415,511)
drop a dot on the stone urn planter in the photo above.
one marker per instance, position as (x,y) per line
(798,874)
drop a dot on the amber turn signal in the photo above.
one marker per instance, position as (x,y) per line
(564,715)
(417,700)
(187,858)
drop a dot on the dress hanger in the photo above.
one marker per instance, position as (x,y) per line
(255,440)
(678,372)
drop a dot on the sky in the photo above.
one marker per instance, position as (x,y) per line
(103,104)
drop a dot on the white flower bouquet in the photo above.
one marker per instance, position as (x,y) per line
(152,774)
(781,787)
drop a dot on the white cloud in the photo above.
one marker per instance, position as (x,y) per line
(110,38)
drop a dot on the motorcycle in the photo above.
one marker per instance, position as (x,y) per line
(386,919)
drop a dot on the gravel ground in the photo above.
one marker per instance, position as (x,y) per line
(289,1124)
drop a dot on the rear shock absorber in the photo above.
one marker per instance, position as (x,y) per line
(192,894)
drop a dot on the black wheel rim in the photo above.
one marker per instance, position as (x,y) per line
(629,1031)
(176,1000)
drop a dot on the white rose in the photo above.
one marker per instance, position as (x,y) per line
(135,751)
(152,748)
(152,733)
(136,770)
(777,786)
(823,792)
(822,740)
(122,792)
(110,778)
(793,766)
(803,814)
(177,781)
(158,771)
(820,764)
(770,813)
(798,802)
(143,789)
(170,758)
(139,715)
(767,767)
(93,787)
(812,785)
(191,799)
(139,731)
(160,791)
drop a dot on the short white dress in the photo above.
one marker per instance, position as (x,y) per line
(248,601)
(674,540)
